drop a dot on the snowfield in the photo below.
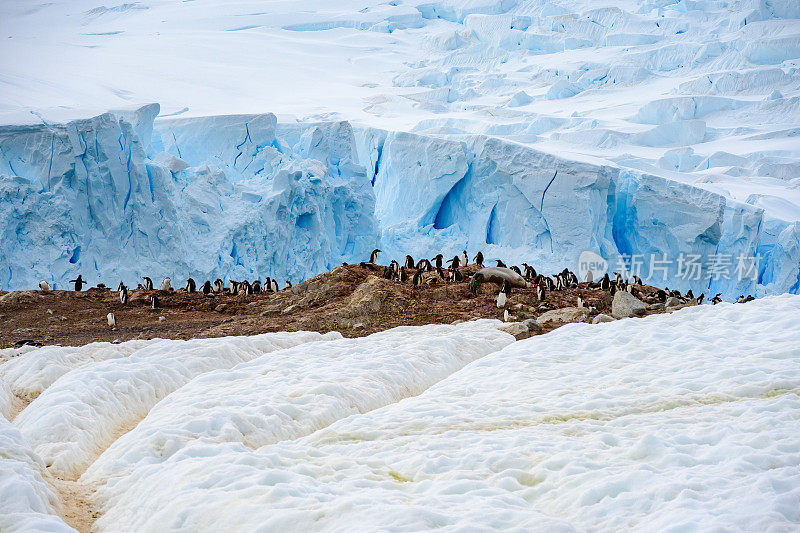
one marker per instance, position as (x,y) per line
(682,421)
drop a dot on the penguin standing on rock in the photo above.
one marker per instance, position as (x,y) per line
(148,283)
(190,286)
(541,295)
(502,296)
(206,288)
(438,261)
(455,262)
(112,320)
(288,284)
(44,286)
(416,281)
(123,295)
(154,302)
(166,285)
(479,259)
(409,262)
(373,257)
(464,258)
(78,282)
(274,285)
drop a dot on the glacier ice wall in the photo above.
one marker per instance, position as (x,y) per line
(123,195)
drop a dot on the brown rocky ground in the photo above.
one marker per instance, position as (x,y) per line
(351,299)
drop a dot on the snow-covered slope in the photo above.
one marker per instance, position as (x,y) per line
(643,424)
(672,126)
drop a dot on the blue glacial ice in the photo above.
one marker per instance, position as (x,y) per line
(122,195)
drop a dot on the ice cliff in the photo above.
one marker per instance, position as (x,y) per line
(122,195)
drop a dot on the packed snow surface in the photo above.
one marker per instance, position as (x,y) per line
(529,130)
(685,420)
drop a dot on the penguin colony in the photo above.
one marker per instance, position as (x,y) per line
(437,270)
(431,271)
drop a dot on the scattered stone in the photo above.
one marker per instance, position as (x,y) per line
(655,307)
(533,325)
(221,308)
(627,305)
(517,329)
(602,317)
(672,302)
(564,315)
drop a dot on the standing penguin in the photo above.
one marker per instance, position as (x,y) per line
(218,285)
(541,295)
(166,285)
(206,287)
(154,302)
(580,301)
(43,285)
(701,298)
(148,283)
(455,262)
(78,282)
(190,286)
(409,262)
(123,295)
(416,281)
(373,257)
(256,287)
(274,285)
(501,264)
(589,277)
(112,320)
(502,296)
(479,259)
(605,283)
(438,261)
(288,284)
(464,258)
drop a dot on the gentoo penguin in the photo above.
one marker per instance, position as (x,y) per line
(605,283)
(409,262)
(123,295)
(589,277)
(689,295)
(516,269)
(218,285)
(661,296)
(580,301)
(455,262)
(274,285)
(502,296)
(190,285)
(154,302)
(394,268)
(402,276)
(288,284)
(148,283)
(416,281)
(479,259)
(530,272)
(112,320)
(541,295)
(78,282)
(438,261)
(121,284)
(166,284)
(457,276)
(373,257)
(256,286)
(44,286)
(701,298)
(464,258)
(206,287)
(749,298)
(637,280)
(500,263)
(506,315)
(716,299)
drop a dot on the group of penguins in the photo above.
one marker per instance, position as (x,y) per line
(431,271)
(236,287)
(561,281)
